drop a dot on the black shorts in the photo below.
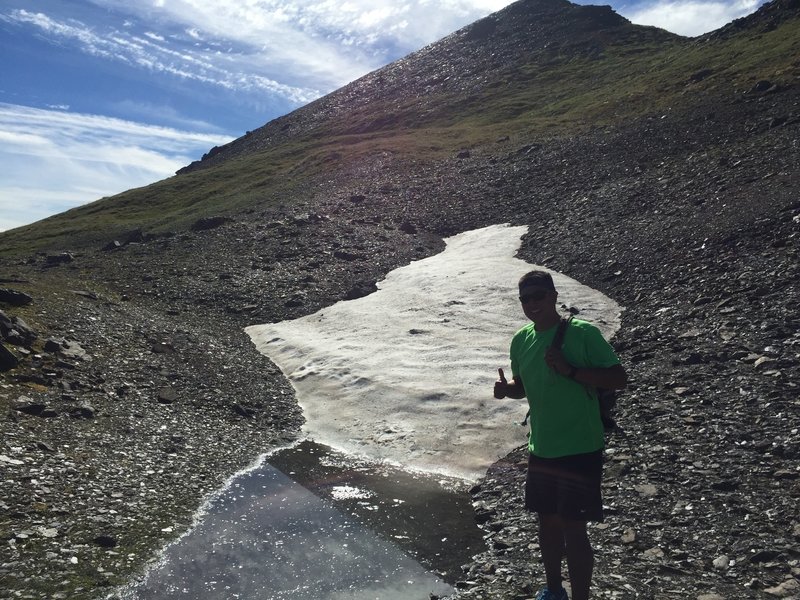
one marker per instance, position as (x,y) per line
(568,486)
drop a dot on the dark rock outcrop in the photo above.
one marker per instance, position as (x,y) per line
(8,359)
(14,297)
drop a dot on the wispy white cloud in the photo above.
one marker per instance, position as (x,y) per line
(55,160)
(688,17)
(326,43)
(167,55)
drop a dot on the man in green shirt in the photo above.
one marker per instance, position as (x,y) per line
(566,440)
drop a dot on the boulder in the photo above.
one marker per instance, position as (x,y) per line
(8,360)
(14,297)
(105,541)
(408,227)
(115,245)
(54,345)
(134,236)
(764,87)
(167,395)
(242,410)
(347,256)
(295,301)
(15,331)
(84,411)
(28,406)
(360,290)
(58,259)
(209,223)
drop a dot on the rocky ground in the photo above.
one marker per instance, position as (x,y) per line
(136,392)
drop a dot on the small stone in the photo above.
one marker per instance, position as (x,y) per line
(162,348)
(788,589)
(44,446)
(646,489)
(167,395)
(629,536)
(653,553)
(763,360)
(721,562)
(48,532)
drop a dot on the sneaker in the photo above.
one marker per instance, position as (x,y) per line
(546,594)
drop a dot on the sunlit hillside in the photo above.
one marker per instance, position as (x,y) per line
(535,71)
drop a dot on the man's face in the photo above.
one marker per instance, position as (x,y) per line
(537,301)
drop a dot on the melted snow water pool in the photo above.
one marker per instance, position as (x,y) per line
(315,524)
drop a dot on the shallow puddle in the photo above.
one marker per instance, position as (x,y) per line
(314,524)
(429,517)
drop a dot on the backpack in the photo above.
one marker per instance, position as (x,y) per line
(606,398)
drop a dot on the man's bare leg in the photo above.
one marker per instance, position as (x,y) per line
(580,558)
(551,543)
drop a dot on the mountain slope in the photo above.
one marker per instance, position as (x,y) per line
(539,69)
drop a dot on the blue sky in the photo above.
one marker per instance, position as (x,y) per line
(100,96)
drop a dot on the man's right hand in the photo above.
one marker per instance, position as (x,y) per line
(501,385)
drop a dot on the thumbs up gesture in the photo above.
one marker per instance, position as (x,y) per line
(501,385)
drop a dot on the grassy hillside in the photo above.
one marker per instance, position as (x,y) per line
(607,73)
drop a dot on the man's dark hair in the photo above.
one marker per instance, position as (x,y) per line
(537,278)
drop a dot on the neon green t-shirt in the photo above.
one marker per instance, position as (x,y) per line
(565,415)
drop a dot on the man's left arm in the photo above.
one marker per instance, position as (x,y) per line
(611,377)
(607,378)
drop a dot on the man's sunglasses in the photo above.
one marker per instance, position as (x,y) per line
(533,296)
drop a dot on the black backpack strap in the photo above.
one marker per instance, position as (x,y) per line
(558,341)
